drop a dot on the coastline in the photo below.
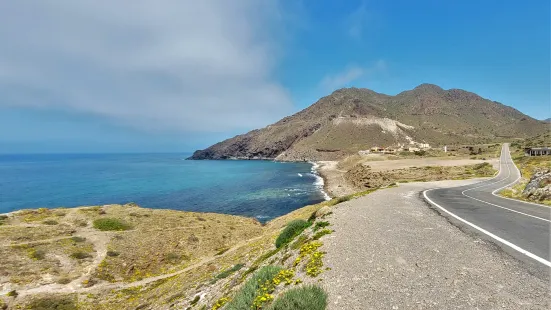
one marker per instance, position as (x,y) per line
(321,181)
(334,183)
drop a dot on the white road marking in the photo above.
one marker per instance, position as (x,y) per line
(508,175)
(498,206)
(507,243)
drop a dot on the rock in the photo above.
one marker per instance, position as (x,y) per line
(323,211)
(539,186)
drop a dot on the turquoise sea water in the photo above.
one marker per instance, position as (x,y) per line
(261,189)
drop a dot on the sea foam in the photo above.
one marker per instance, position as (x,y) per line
(319,183)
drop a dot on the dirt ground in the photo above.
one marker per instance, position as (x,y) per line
(337,183)
(424,162)
(334,182)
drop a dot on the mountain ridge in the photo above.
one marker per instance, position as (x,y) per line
(353,119)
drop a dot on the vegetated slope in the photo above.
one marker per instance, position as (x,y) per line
(353,119)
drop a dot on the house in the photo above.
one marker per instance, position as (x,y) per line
(537,151)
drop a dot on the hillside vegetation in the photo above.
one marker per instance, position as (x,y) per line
(128,257)
(535,182)
(355,119)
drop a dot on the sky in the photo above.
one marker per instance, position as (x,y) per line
(178,75)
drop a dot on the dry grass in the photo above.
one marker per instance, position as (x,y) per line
(363,177)
(189,240)
(185,239)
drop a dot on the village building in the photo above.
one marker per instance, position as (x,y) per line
(537,151)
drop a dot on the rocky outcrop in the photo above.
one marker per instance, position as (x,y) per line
(539,187)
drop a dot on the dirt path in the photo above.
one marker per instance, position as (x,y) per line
(390,250)
(101,247)
(49,240)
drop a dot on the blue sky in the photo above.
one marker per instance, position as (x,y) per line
(141,76)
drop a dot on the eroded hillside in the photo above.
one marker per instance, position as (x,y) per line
(355,119)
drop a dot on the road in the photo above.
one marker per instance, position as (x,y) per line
(518,227)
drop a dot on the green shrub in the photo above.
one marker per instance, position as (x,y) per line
(420,153)
(482,166)
(259,261)
(105,224)
(50,222)
(320,225)
(336,201)
(321,233)
(308,297)
(222,251)
(112,253)
(226,273)
(195,300)
(173,258)
(35,254)
(344,199)
(312,216)
(63,280)
(12,293)
(302,239)
(79,255)
(52,303)
(81,223)
(78,239)
(293,229)
(244,298)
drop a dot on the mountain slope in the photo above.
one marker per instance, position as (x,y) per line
(355,119)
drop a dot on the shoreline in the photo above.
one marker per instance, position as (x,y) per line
(321,181)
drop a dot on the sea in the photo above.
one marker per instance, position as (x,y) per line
(260,189)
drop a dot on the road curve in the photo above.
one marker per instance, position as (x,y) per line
(519,226)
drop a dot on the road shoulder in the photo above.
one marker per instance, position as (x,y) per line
(390,250)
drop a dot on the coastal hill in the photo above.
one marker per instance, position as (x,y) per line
(353,119)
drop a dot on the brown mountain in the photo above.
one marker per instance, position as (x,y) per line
(353,119)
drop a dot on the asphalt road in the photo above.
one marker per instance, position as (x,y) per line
(518,227)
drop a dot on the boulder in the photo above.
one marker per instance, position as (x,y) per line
(323,211)
(539,186)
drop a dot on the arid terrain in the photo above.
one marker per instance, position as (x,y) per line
(356,172)
(128,257)
(535,182)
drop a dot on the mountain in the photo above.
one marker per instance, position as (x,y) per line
(547,120)
(353,119)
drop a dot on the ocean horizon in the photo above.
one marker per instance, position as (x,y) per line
(253,188)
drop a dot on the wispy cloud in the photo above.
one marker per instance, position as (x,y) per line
(167,64)
(350,74)
(357,21)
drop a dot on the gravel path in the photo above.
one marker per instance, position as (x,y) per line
(390,250)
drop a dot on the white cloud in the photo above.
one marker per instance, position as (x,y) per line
(166,64)
(351,74)
(357,20)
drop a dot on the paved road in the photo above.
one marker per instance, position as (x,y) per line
(519,227)
(390,251)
